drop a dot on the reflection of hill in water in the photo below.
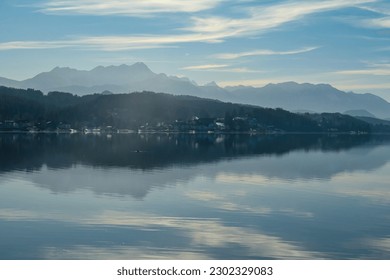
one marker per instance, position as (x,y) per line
(136,164)
(32,151)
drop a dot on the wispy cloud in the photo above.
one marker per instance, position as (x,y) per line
(220,68)
(200,29)
(362,86)
(240,70)
(376,69)
(126,7)
(375,72)
(383,22)
(205,67)
(263,18)
(113,43)
(20,45)
(380,8)
(262,52)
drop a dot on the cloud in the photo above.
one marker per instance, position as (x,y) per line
(240,70)
(211,29)
(378,8)
(264,18)
(125,7)
(262,52)
(379,22)
(205,67)
(375,72)
(363,86)
(112,43)
(28,45)
(220,68)
(375,69)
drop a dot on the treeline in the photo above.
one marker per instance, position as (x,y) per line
(130,111)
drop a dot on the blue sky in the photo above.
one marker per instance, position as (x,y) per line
(342,42)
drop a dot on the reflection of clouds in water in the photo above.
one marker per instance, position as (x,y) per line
(227,201)
(371,186)
(120,253)
(211,233)
(204,195)
(220,201)
(247,179)
(8,214)
(266,206)
(202,234)
(376,247)
(12,214)
(381,244)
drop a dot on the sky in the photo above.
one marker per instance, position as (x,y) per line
(345,43)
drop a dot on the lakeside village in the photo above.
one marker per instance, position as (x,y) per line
(194,125)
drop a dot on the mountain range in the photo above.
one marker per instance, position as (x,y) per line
(138,77)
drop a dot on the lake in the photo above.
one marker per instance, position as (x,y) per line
(201,196)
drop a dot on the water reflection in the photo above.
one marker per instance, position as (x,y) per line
(194,197)
(32,151)
(135,164)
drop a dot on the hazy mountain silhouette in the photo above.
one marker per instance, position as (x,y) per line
(112,78)
(138,77)
(359,113)
(9,82)
(320,98)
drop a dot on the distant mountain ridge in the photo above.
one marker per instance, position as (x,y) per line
(138,77)
(359,113)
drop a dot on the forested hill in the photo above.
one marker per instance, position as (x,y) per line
(24,109)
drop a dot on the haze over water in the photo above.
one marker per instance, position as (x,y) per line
(201,196)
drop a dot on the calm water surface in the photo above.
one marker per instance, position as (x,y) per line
(194,197)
